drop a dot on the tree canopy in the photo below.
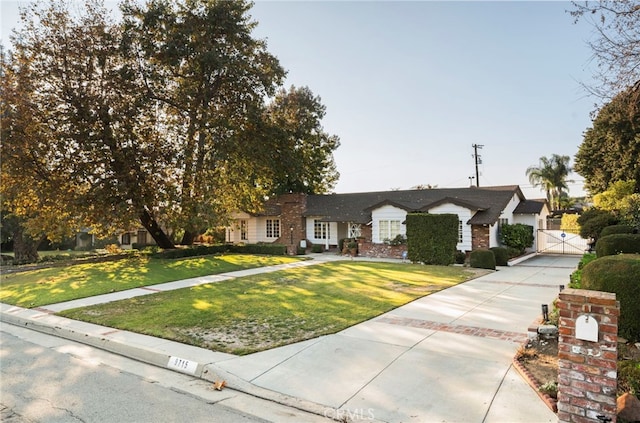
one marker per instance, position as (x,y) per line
(170,118)
(616,47)
(551,176)
(610,150)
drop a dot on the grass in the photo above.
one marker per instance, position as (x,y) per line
(250,314)
(53,285)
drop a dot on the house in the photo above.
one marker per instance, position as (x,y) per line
(374,218)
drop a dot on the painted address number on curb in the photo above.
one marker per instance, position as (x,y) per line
(182,365)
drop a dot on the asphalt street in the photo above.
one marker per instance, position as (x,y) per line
(48,379)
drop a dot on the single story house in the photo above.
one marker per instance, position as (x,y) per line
(374,218)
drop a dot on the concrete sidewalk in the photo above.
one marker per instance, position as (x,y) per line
(445,357)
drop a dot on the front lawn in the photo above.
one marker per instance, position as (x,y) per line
(53,285)
(250,314)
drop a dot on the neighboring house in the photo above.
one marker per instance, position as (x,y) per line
(377,217)
(139,236)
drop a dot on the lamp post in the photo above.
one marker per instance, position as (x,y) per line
(291,233)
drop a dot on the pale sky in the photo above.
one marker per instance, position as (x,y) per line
(410,86)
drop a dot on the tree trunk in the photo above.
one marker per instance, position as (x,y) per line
(156,232)
(25,248)
(188,237)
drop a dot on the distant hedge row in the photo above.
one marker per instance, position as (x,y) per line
(203,250)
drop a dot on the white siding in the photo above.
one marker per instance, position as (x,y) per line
(464,215)
(333,233)
(507,213)
(386,213)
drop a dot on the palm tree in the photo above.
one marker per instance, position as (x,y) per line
(551,177)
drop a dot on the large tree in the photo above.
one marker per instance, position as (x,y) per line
(199,60)
(551,175)
(87,135)
(299,142)
(163,118)
(610,150)
(616,45)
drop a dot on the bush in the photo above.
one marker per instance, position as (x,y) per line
(619,274)
(575,280)
(268,249)
(432,238)
(460,257)
(593,221)
(482,259)
(501,254)
(616,229)
(317,248)
(300,251)
(629,377)
(611,245)
(517,236)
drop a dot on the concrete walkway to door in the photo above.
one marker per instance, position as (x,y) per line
(446,357)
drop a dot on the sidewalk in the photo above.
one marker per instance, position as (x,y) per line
(445,357)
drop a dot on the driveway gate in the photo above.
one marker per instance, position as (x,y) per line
(560,242)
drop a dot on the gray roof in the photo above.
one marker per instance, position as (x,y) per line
(530,206)
(356,207)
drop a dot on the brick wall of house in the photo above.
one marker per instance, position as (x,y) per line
(292,225)
(369,249)
(587,375)
(479,237)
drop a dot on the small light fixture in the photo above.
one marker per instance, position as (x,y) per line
(545,312)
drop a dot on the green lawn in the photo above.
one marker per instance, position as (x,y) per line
(57,284)
(254,313)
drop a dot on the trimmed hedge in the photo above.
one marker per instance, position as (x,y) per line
(501,254)
(619,274)
(519,236)
(202,250)
(611,245)
(616,229)
(432,238)
(482,259)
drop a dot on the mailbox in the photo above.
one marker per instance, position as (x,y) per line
(586,328)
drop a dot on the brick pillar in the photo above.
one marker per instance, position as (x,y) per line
(292,223)
(479,237)
(587,375)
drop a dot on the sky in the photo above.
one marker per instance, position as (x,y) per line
(409,87)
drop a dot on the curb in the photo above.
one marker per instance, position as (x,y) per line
(104,338)
(552,403)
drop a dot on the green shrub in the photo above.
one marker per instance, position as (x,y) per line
(317,248)
(519,236)
(616,229)
(268,249)
(619,274)
(501,254)
(611,245)
(460,257)
(203,250)
(482,259)
(432,238)
(575,279)
(593,221)
(629,377)
(300,251)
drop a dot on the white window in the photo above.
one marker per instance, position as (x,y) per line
(503,221)
(243,230)
(320,230)
(459,230)
(388,229)
(273,228)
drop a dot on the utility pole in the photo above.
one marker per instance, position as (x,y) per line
(478,160)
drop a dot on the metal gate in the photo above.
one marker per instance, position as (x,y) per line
(560,242)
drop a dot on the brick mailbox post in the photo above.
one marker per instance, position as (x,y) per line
(587,352)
